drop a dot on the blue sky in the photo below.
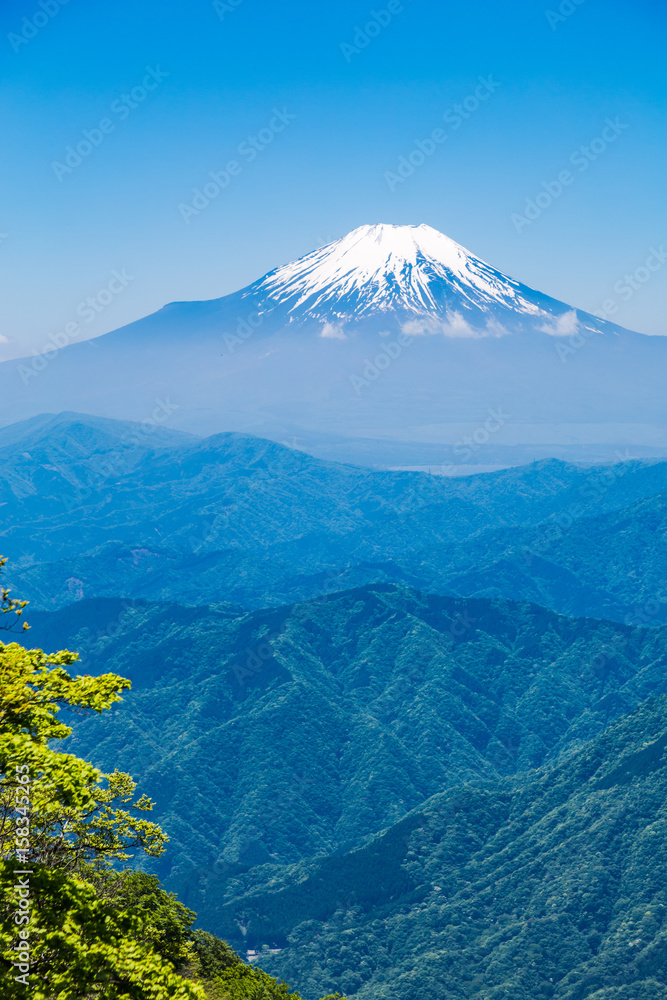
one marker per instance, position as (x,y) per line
(337,110)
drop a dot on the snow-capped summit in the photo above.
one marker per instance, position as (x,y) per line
(408,270)
(390,334)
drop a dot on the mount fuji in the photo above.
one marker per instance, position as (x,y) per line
(407,270)
(392,345)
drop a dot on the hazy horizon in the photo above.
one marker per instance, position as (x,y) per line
(519,97)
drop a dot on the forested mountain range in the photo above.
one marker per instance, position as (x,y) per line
(550,886)
(405,732)
(103,508)
(278,735)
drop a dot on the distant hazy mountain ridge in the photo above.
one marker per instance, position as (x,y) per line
(98,508)
(445,337)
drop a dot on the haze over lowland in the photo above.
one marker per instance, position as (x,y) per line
(393,344)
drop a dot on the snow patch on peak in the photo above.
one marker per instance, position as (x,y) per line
(372,247)
(379,268)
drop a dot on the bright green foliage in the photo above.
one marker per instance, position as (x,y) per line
(83,948)
(9,605)
(215,956)
(508,883)
(244,981)
(76,811)
(82,945)
(95,933)
(165,923)
(225,977)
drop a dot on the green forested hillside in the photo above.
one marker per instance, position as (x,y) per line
(379,790)
(77,922)
(612,565)
(92,507)
(554,886)
(274,736)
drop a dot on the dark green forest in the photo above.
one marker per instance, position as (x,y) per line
(79,919)
(333,774)
(549,886)
(278,735)
(405,734)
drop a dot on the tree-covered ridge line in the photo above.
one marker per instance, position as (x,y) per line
(300,732)
(551,885)
(529,870)
(88,509)
(74,922)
